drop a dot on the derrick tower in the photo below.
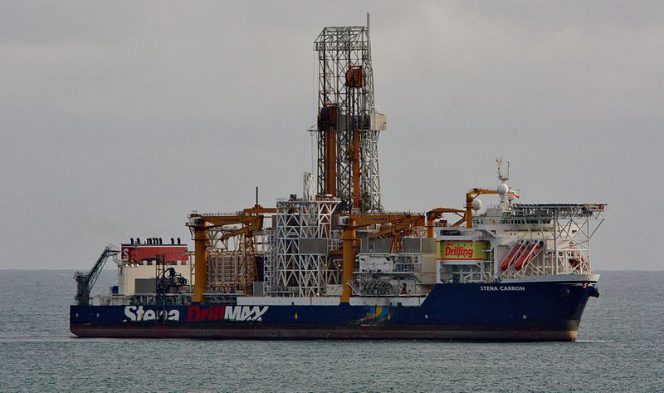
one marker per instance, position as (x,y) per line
(348,124)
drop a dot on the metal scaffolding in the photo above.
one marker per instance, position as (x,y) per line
(230,271)
(565,231)
(299,263)
(348,125)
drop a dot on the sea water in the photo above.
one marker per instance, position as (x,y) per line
(620,347)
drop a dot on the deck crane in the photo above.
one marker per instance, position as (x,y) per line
(474,193)
(250,221)
(350,224)
(471,195)
(85,282)
(397,229)
(437,213)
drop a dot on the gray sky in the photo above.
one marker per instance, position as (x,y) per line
(119,118)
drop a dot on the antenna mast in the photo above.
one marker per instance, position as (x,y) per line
(501,176)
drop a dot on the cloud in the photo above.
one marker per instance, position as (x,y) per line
(131,114)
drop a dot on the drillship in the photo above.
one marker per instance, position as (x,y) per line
(331,263)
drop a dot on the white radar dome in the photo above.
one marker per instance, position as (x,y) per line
(502,189)
(477,204)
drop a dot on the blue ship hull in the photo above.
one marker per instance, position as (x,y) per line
(490,311)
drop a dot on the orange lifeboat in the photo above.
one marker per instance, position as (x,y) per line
(507,261)
(533,250)
(576,259)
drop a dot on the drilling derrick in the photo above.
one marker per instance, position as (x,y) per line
(348,124)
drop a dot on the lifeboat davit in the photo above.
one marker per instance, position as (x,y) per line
(514,252)
(576,259)
(533,250)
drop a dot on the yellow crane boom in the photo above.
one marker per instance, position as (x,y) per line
(353,222)
(200,224)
